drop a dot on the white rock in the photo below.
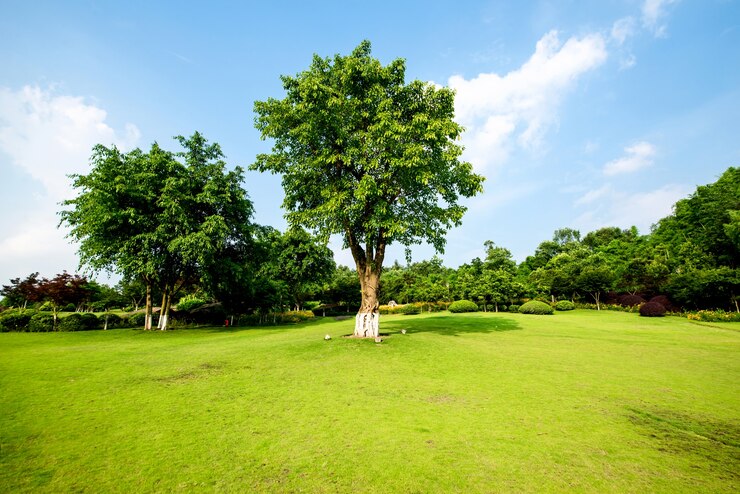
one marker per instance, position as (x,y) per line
(327,337)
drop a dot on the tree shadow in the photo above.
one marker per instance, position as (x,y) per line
(449,324)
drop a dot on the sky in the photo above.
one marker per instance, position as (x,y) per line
(580,114)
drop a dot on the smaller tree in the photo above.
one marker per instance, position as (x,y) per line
(62,290)
(20,292)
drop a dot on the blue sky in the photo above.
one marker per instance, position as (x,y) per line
(579,114)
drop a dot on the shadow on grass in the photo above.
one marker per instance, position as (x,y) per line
(449,325)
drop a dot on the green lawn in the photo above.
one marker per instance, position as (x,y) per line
(583,401)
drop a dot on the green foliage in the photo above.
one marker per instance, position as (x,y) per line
(463,306)
(410,310)
(652,309)
(364,155)
(41,322)
(190,302)
(277,318)
(714,316)
(15,319)
(136,320)
(564,305)
(79,321)
(114,321)
(514,308)
(536,307)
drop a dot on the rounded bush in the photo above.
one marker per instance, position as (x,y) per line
(41,322)
(15,319)
(514,308)
(565,305)
(78,322)
(463,306)
(410,310)
(630,300)
(652,309)
(536,307)
(664,301)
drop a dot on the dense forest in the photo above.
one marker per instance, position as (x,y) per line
(689,261)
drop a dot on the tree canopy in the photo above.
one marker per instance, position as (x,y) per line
(367,156)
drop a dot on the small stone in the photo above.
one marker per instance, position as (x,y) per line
(378,339)
(403,331)
(327,337)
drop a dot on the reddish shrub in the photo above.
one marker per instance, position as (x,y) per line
(664,301)
(630,300)
(652,309)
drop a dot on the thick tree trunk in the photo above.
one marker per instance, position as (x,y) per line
(367,319)
(164,311)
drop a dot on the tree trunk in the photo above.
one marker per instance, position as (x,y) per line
(367,319)
(164,311)
(148,310)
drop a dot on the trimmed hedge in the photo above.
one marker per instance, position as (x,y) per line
(79,321)
(652,309)
(514,308)
(463,306)
(565,305)
(536,307)
(15,319)
(41,322)
(410,310)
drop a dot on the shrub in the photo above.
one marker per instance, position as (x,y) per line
(15,319)
(714,316)
(78,322)
(463,306)
(536,307)
(41,322)
(514,308)
(410,310)
(652,309)
(630,300)
(189,302)
(565,305)
(664,301)
(114,321)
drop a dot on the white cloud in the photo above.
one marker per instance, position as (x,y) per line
(593,195)
(641,209)
(653,12)
(637,157)
(622,29)
(50,136)
(45,136)
(500,112)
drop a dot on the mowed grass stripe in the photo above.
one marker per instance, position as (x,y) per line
(583,401)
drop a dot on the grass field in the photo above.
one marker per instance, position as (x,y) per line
(583,401)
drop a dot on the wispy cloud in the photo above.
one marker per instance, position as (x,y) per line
(637,156)
(47,136)
(623,29)
(517,109)
(653,12)
(609,207)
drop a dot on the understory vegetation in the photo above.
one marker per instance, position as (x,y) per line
(587,401)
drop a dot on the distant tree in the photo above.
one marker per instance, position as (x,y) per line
(62,290)
(367,156)
(22,291)
(302,262)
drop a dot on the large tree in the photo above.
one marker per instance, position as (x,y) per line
(367,156)
(151,217)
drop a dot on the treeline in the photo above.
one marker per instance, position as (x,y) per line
(689,261)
